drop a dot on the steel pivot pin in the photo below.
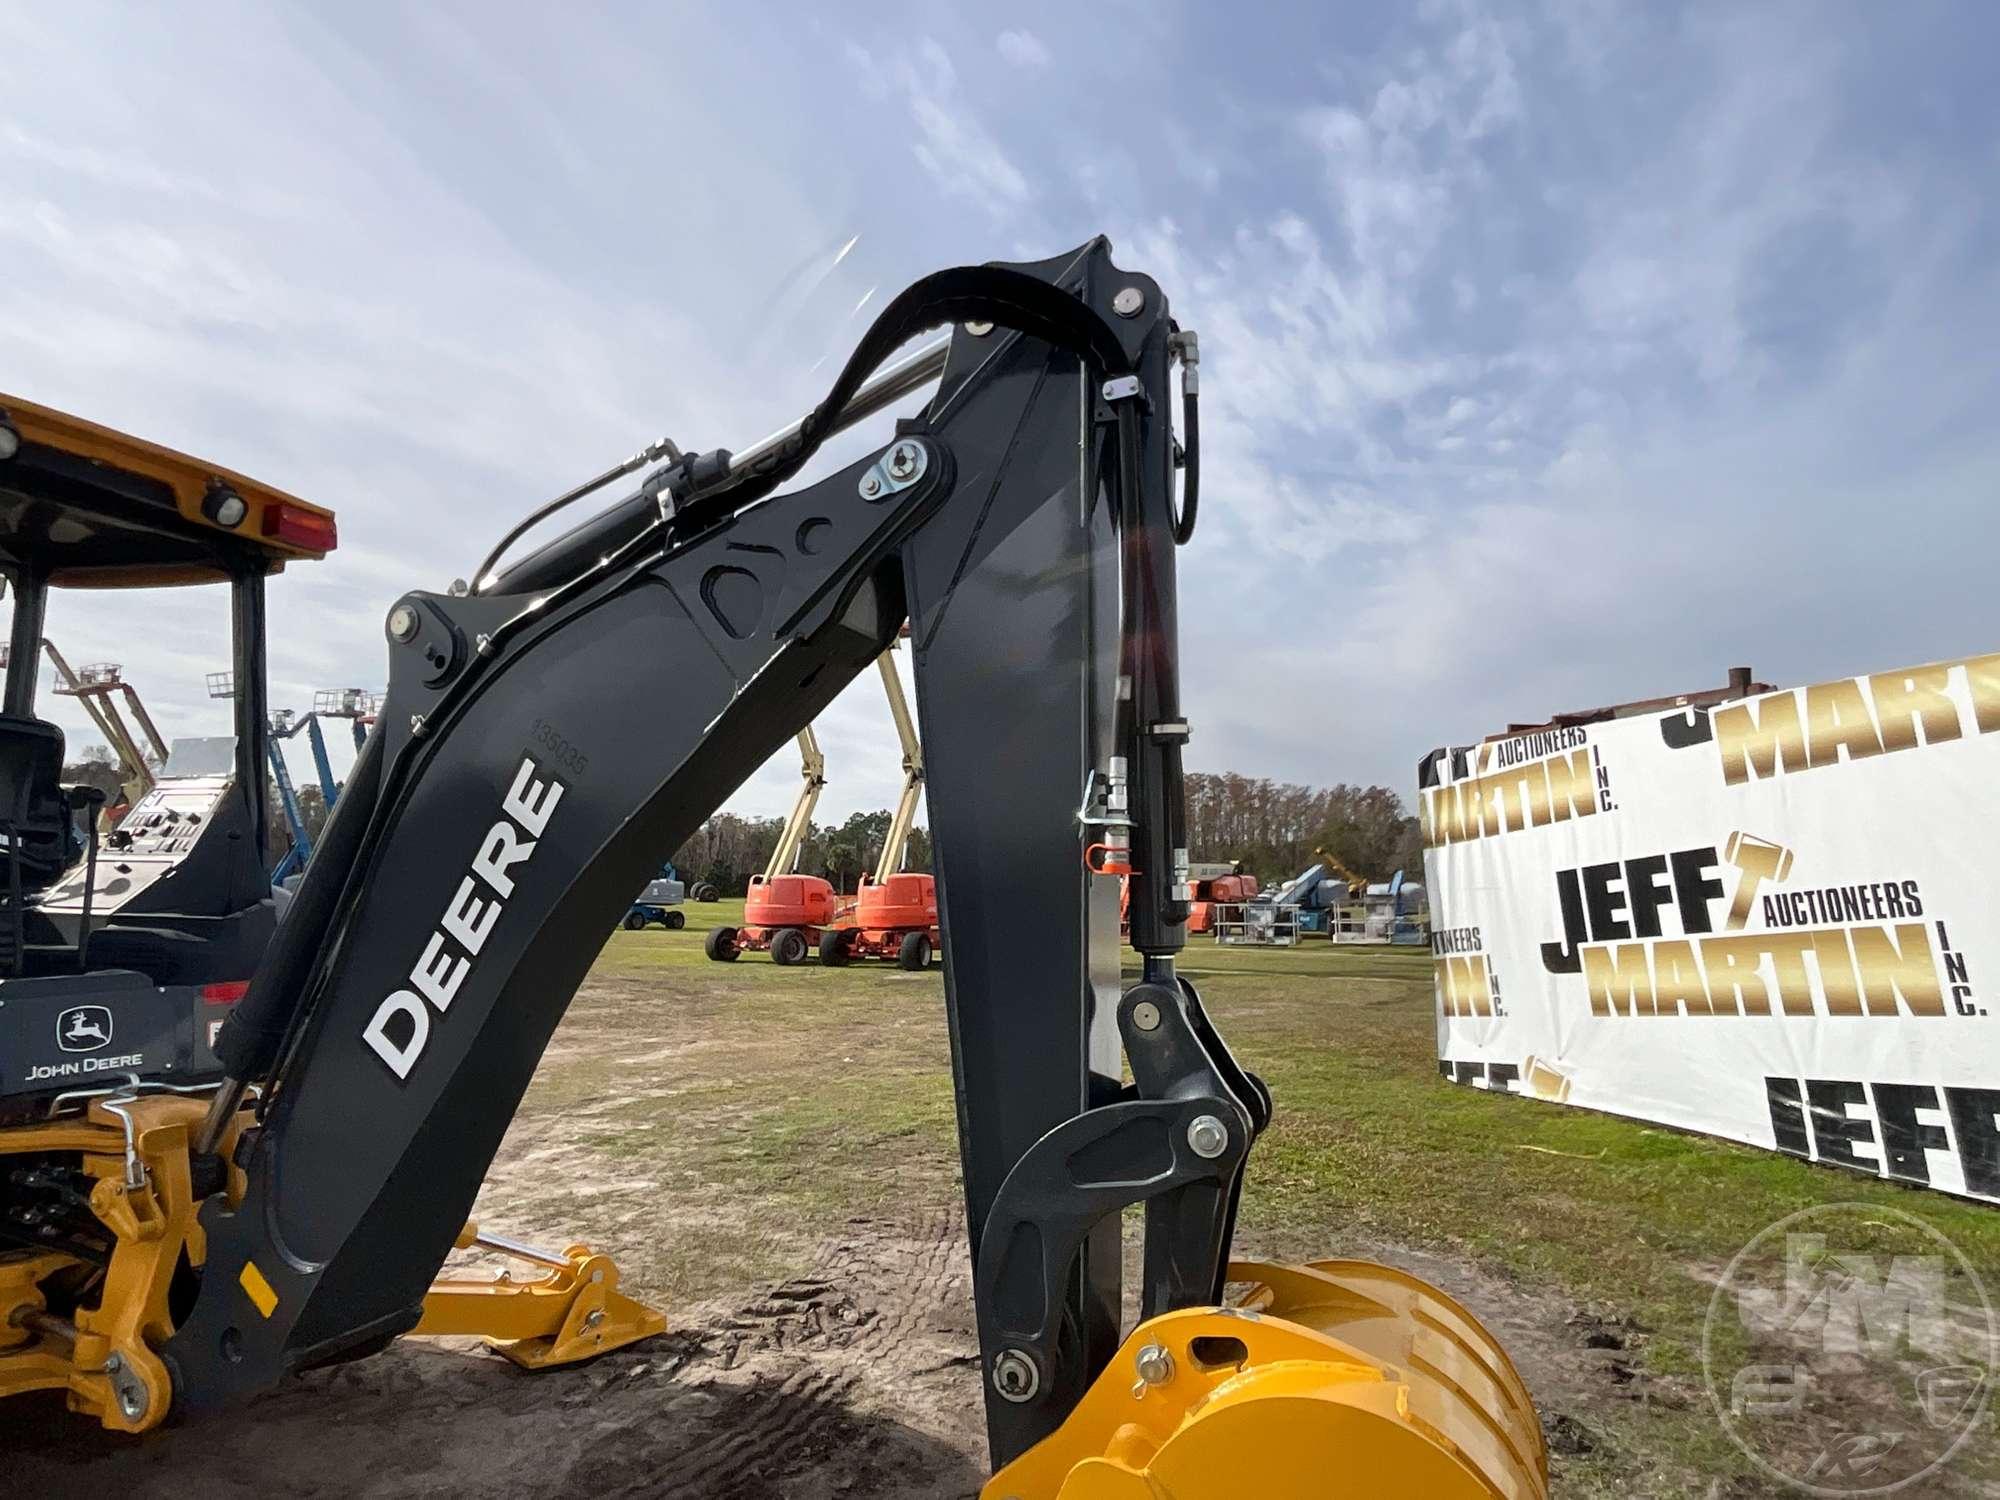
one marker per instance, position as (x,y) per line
(1155,1364)
(1208,1137)
(1015,1376)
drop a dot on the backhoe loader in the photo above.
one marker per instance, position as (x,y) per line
(517,789)
(124,943)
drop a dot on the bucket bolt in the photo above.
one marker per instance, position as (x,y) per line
(1015,1376)
(1207,1137)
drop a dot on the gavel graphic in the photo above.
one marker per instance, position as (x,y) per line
(1758,860)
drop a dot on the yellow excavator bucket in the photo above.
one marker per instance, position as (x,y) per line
(1319,1382)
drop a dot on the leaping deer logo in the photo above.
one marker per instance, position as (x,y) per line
(84,1028)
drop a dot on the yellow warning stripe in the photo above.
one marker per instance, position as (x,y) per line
(259,1289)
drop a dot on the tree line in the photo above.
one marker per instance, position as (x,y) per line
(1277,828)
(1273,828)
(728,849)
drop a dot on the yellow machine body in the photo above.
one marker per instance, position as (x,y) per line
(136,1152)
(135,1149)
(88,507)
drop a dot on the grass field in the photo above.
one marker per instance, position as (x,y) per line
(781,1104)
(769,1156)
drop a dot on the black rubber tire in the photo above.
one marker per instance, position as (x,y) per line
(720,945)
(634,920)
(914,953)
(706,892)
(833,948)
(674,921)
(788,947)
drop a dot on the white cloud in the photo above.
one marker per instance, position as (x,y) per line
(1441,530)
(1549,358)
(953,145)
(1023,49)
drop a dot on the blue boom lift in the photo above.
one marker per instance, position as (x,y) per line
(1316,891)
(357,705)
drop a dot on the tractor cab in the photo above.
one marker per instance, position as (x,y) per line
(122,946)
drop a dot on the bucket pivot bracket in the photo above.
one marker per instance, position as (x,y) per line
(1177,1144)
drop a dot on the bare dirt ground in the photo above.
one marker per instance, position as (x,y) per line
(846,1380)
(770,1157)
(856,1377)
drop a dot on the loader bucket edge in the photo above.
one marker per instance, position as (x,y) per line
(1335,1380)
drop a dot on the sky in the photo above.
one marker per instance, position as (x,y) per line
(1553,354)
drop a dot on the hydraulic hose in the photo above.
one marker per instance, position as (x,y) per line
(1190,465)
(248,1041)
(1188,347)
(1001,295)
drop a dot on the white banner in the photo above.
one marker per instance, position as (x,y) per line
(1773,920)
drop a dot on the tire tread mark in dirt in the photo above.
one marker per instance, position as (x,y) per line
(868,1299)
(771,1426)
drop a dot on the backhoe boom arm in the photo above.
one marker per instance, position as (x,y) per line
(546,734)
(539,745)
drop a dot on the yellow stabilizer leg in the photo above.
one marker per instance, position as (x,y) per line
(1334,1381)
(572,1311)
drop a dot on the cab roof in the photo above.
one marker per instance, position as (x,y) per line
(88,507)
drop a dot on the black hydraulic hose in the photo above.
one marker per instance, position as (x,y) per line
(662,449)
(250,1036)
(996,294)
(559,560)
(1000,295)
(1190,465)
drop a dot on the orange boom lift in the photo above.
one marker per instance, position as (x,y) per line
(896,914)
(785,911)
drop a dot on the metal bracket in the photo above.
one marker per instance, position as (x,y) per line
(572,1311)
(1087,1168)
(1186,346)
(1104,802)
(660,486)
(117,1101)
(1178,1147)
(904,463)
(1124,388)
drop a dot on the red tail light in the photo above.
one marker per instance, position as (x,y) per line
(298,527)
(226,993)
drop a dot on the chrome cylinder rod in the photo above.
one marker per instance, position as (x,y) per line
(883,389)
(521,1250)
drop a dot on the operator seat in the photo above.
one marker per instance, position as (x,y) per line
(34,809)
(35,827)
